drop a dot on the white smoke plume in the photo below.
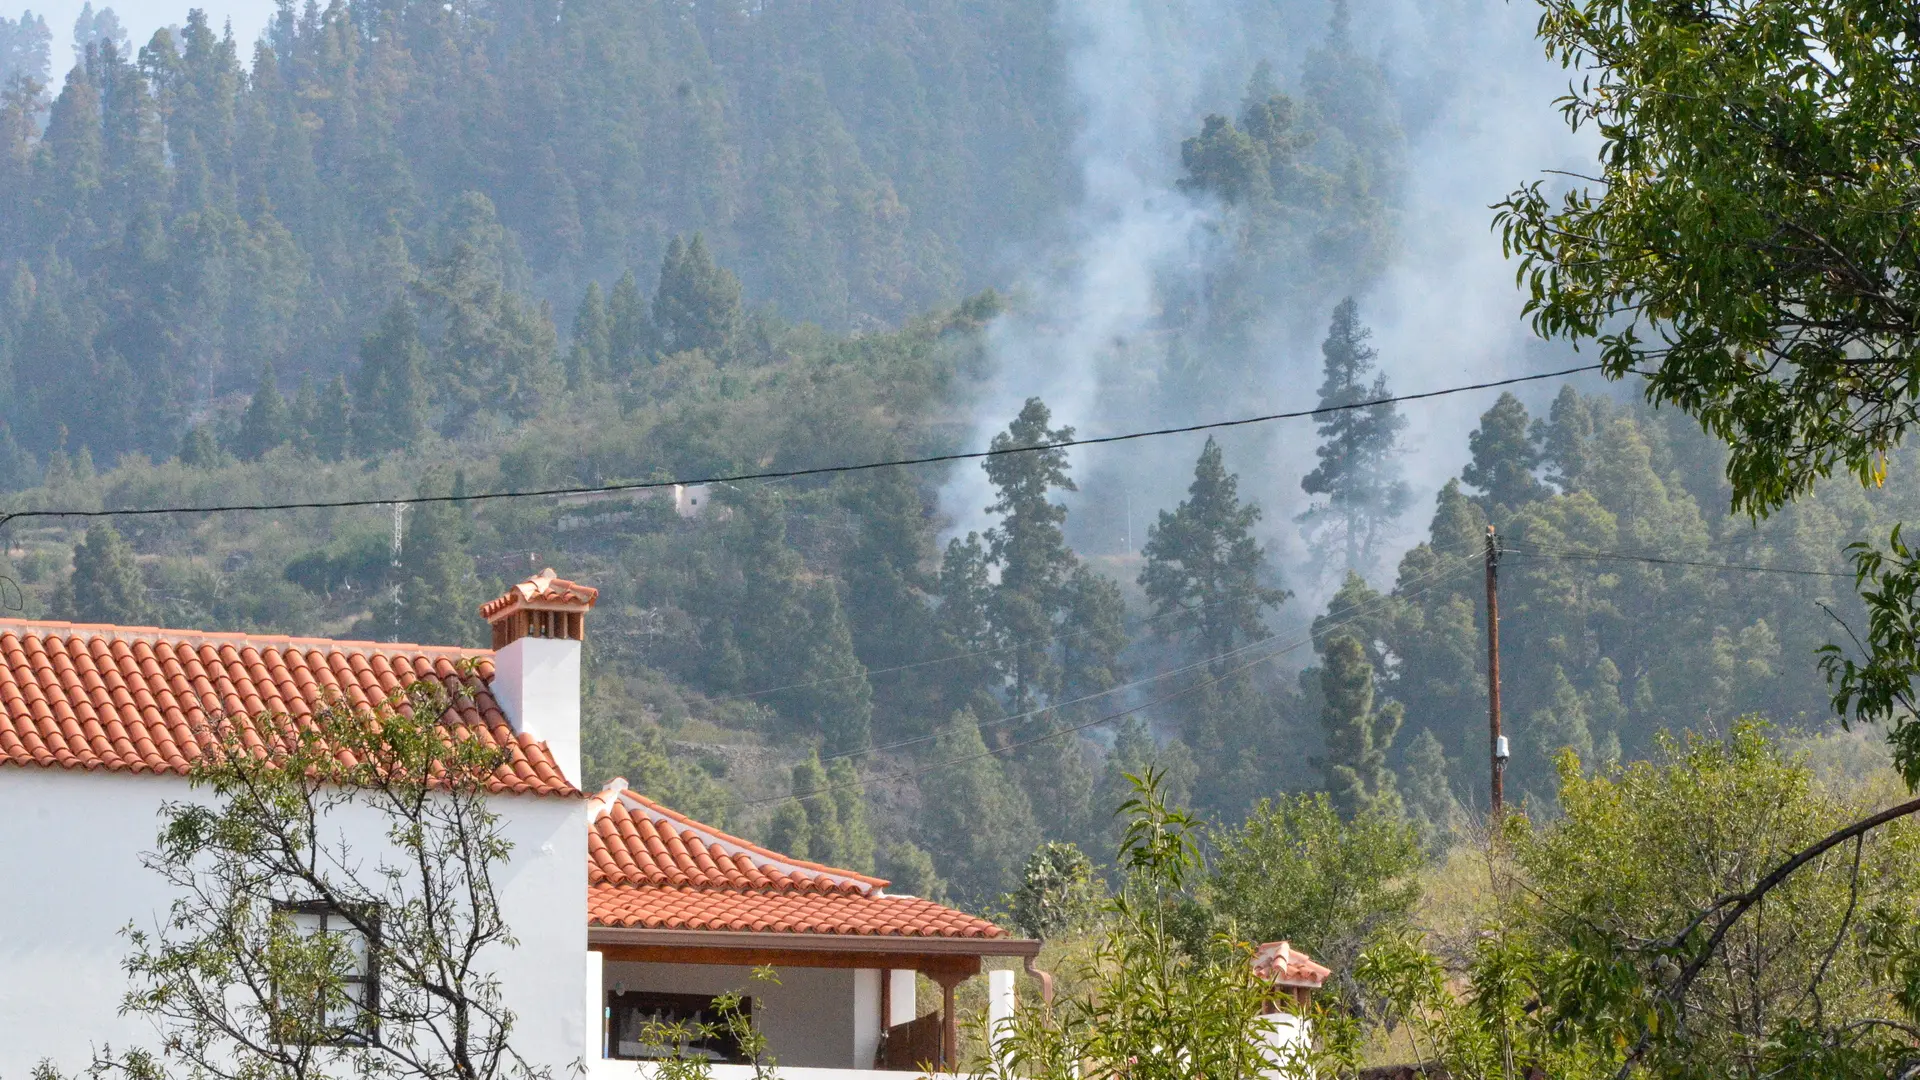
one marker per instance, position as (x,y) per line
(1475,94)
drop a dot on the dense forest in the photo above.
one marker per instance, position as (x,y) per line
(416,248)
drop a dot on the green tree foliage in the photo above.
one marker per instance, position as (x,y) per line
(199,449)
(628,332)
(268,422)
(590,356)
(1152,1006)
(390,385)
(330,423)
(697,305)
(1030,551)
(976,820)
(1358,733)
(790,638)
(26,48)
(826,820)
(439,590)
(1505,455)
(1059,892)
(1357,474)
(909,871)
(1427,794)
(106,586)
(1205,573)
(1748,269)
(1582,967)
(963,625)
(1299,870)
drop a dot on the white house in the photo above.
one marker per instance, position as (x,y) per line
(623,909)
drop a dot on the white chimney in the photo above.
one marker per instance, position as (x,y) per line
(537,629)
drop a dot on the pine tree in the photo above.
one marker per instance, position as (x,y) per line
(306,404)
(963,628)
(698,303)
(589,358)
(1429,796)
(838,702)
(106,586)
(268,422)
(850,804)
(789,832)
(16,465)
(909,871)
(628,332)
(438,587)
(826,838)
(389,387)
(977,822)
(1030,550)
(1567,437)
(1204,570)
(199,449)
(1358,734)
(791,634)
(826,820)
(1504,457)
(1357,471)
(331,425)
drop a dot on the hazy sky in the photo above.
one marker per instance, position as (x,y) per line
(143,17)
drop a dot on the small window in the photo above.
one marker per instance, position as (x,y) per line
(635,1020)
(352,1021)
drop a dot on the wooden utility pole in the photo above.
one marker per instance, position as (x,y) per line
(1496,742)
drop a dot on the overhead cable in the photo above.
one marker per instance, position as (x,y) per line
(786,474)
(1623,556)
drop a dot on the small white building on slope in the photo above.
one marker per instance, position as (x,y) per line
(623,909)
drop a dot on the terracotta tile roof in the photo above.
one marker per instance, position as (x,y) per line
(1283,965)
(651,867)
(759,911)
(138,699)
(544,590)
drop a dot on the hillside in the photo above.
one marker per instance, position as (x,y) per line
(426,249)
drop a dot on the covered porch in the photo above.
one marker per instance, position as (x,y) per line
(843,1003)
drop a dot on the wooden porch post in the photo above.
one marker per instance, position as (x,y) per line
(949,1018)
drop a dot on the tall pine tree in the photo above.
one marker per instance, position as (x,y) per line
(1358,473)
(698,304)
(1358,734)
(1205,573)
(390,386)
(1505,454)
(268,422)
(1030,550)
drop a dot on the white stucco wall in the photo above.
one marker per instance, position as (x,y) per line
(825,1018)
(71,879)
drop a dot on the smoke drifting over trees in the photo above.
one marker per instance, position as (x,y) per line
(397,247)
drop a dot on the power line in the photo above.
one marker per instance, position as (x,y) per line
(1622,556)
(787,474)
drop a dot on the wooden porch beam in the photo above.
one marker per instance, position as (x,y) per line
(934,965)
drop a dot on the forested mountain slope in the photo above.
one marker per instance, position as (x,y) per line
(197,207)
(424,249)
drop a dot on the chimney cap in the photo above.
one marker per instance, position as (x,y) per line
(544,591)
(1283,965)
